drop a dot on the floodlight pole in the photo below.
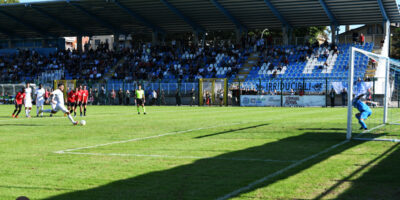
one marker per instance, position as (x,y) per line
(350,95)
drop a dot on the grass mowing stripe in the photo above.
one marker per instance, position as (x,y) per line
(179,157)
(266,178)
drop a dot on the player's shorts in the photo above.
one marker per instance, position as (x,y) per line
(365,114)
(139,101)
(84,103)
(18,106)
(39,102)
(28,103)
(58,107)
(71,104)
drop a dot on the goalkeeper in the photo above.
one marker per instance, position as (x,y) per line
(364,109)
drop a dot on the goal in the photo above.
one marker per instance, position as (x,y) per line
(380,84)
(211,90)
(68,84)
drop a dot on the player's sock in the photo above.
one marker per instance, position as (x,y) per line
(37,111)
(26,113)
(144,110)
(138,111)
(362,123)
(17,113)
(84,111)
(71,119)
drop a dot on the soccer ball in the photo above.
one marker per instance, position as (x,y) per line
(83,122)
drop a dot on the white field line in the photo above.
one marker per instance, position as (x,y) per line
(266,178)
(378,139)
(145,138)
(179,157)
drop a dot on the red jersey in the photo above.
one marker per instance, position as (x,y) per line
(78,96)
(19,97)
(85,95)
(71,96)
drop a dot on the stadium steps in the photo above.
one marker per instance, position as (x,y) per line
(251,61)
(110,73)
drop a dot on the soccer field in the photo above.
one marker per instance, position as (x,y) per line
(194,153)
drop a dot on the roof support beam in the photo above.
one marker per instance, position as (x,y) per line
(277,13)
(96,18)
(56,19)
(228,14)
(383,11)
(29,25)
(139,18)
(328,12)
(195,26)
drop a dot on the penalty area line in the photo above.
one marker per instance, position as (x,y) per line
(179,157)
(266,178)
(144,138)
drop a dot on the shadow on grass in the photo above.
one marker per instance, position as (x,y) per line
(382,181)
(213,178)
(232,130)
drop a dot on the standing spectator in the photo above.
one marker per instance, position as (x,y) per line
(120,96)
(113,97)
(103,96)
(163,97)
(127,97)
(178,98)
(355,37)
(193,97)
(95,97)
(362,39)
(344,96)
(369,95)
(221,97)
(332,95)
(154,97)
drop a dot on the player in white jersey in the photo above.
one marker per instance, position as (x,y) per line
(39,92)
(57,101)
(28,100)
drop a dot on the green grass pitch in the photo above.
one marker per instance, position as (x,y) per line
(195,153)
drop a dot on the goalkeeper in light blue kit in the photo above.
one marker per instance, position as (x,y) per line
(364,109)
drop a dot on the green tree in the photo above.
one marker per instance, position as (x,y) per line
(8,1)
(395,44)
(312,32)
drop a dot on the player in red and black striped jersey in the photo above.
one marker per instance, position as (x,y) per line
(71,100)
(19,99)
(85,96)
(77,99)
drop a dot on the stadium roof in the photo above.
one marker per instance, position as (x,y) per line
(101,17)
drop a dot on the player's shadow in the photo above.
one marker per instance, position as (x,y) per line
(381,181)
(232,130)
(21,125)
(220,175)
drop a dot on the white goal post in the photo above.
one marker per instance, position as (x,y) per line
(383,60)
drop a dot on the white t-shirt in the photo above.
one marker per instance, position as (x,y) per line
(28,93)
(58,97)
(39,94)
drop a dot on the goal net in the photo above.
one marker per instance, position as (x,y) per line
(375,80)
(212,91)
(68,85)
